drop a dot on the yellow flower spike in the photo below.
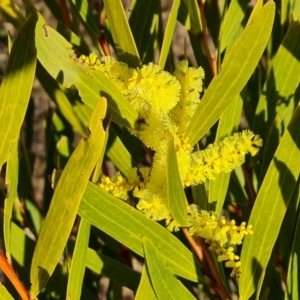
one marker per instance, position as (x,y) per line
(221,157)
(157,87)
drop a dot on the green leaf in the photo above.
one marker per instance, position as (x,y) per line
(228,123)
(16,87)
(65,202)
(169,33)
(78,262)
(11,181)
(189,16)
(118,154)
(237,68)
(145,290)
(83,10)
(286,234)
(296,10)
(4,294)
(59,97)
(114,270)
(90,84)
(232,25)
(200,196)
(293,278)
(176,197)
(127,225)
(260,283)
(165,285)
(120,30)
(143,21)
(270,206)
(283,79)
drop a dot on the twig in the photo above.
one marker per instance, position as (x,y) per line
(205,257)
(203,40)
(65,13)
(11,275)
(249,182)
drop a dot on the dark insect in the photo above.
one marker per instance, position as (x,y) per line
(76,51)
(141,121)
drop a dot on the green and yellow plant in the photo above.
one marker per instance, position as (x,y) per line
(160,173)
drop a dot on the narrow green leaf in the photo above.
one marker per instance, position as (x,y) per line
(16,87)
(78,262)
(286,234)
(54,54)
(4,294)
(165,285)
(260,283)
(11,181)
(59,97)
(114,270)
(283,78)
(270,206)
(259,4)
(176,197)
(237,68)
(270,145)
(122,36)
(83,10)
(118,154)
(22,251)
(296,10)
(83,112)
(65,202)
(189,16)
(169,33)
(200,196)
(293,275)
(143,21)
(232,25)
(127,225)
(228,123)
(145,290)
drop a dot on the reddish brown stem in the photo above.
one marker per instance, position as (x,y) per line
(102,39)
(249,182)
(65,13)
(11,275)
(205,257)
(204,40)
(280,267)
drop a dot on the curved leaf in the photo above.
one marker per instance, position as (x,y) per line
(176,197)
(65,202)
(91,84)
(122,36)
(169,33)
(127,225)
(145,290)
(78,263)
(16,87)
(165,285)
(270,206)
(237,68)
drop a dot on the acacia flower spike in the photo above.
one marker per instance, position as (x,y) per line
(166,103)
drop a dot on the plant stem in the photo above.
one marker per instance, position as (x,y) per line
(11,275)
(205,257)
(203,40)
(65,13)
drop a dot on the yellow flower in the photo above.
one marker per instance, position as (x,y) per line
(221,157)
